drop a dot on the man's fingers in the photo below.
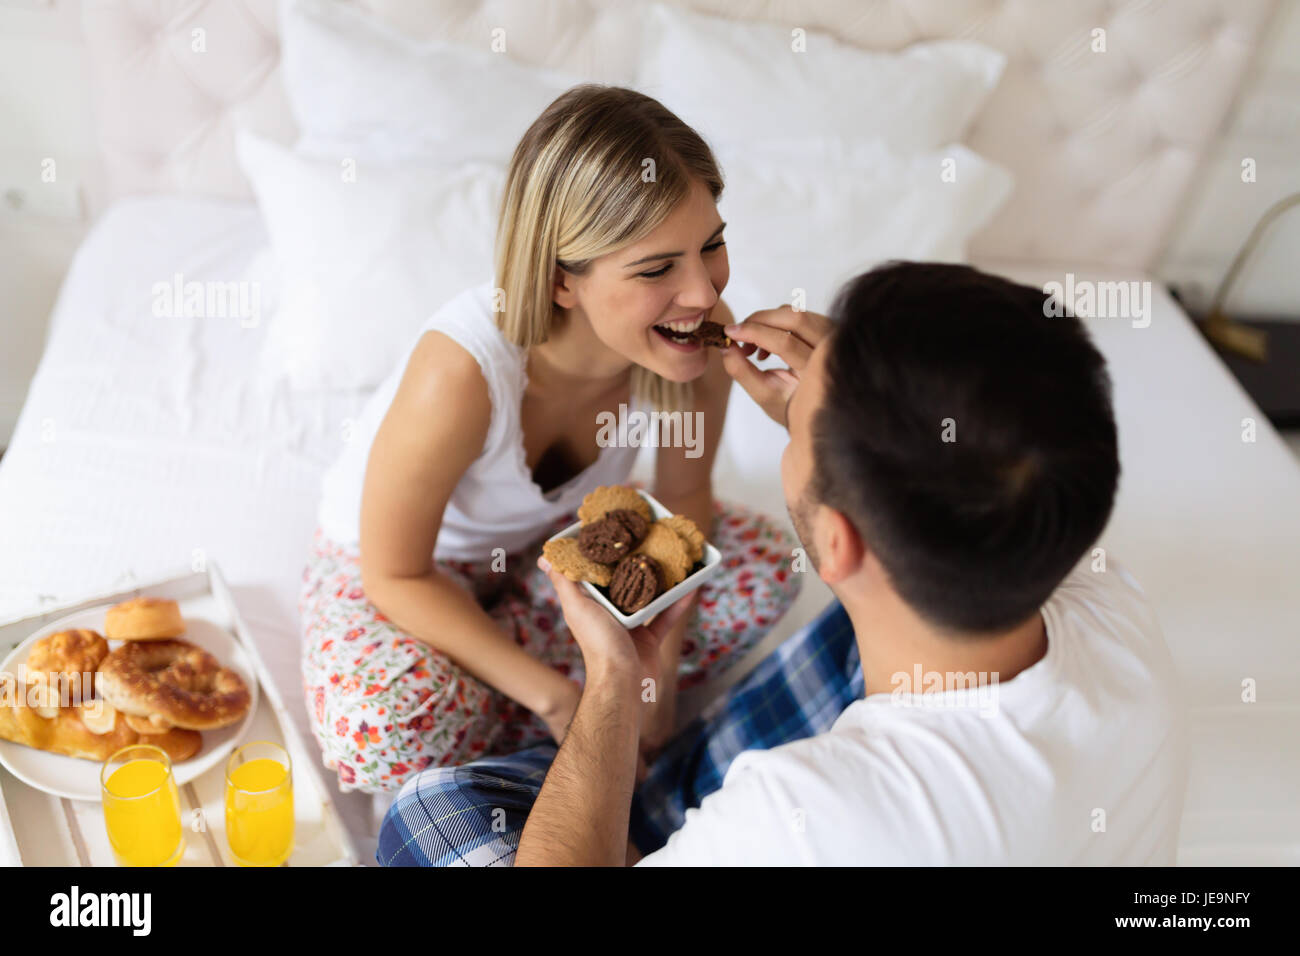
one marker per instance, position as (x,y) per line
(745,372)
(810,327)
(782,343)
(769,388)
(663,621)
(568,591)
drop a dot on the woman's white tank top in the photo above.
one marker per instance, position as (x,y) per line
(496,504)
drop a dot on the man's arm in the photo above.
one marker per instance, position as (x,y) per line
(580,817)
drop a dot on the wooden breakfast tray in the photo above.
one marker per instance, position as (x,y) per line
(39,829)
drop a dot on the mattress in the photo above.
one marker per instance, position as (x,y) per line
(149,443)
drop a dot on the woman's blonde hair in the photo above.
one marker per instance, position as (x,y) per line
(598,170)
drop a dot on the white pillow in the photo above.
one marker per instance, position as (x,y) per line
(363,263)
(741,85)
(814,225)
(359,88)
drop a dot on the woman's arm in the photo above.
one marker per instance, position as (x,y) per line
(433,431)
(684,476)
(684,485)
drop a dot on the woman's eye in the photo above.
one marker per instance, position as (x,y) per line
(658,272)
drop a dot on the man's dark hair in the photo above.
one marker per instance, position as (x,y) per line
(975,532)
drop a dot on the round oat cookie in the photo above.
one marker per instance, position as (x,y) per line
(671,551)
(690,533)
(564,556)
(609,498)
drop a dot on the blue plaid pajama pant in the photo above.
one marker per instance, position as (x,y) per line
(472,815)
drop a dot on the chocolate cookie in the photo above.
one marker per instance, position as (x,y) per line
(609,498)
(637,581)
(711,333)
(565,557)
(612,537)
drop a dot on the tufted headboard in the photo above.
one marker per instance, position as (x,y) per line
(1103,145)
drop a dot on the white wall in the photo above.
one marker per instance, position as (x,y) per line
(45,115)
(1221,209)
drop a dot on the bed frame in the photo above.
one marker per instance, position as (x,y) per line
(1103,143)
(1103,147)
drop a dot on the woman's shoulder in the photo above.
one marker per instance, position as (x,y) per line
(441,368)
(473,301)
(472,306)
(470,319)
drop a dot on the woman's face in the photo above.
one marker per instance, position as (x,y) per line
(672,277)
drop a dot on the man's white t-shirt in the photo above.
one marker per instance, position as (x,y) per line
(1078,759)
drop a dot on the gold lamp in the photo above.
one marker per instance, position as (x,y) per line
(1227,333)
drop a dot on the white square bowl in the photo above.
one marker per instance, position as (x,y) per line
(712,564)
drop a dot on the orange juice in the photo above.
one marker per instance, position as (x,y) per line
(259,812)
(142,812)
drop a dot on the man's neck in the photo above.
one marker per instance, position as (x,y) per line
(894,644)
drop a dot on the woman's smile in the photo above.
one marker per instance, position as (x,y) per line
(676,333)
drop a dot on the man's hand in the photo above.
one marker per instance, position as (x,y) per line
(785,333)
(607,645)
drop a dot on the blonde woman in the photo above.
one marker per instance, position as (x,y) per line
(429,635)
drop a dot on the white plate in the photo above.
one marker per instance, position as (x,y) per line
(712,565)
(78,779)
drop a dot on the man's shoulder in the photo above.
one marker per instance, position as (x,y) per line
(1100,576)
(1101,608)
(784,806)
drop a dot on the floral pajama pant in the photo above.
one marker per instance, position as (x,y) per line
(383,705)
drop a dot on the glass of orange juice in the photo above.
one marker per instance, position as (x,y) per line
(259,804)
(142,808)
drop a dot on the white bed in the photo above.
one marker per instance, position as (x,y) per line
(148,443)
(144,439)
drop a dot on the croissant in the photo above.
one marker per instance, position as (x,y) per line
(67,733)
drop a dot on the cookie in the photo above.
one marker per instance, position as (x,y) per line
(637,581)
(671,551)
(564,556)
(690,533)
(609,498)
(613,537)
(711,334)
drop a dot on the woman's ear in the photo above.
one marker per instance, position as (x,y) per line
(562,291)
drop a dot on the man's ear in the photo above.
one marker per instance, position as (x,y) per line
(562,291)
(838,545)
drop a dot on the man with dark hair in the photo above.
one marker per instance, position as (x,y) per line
(989,688)
(966,437)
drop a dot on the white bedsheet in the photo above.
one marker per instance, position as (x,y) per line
(145,438)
